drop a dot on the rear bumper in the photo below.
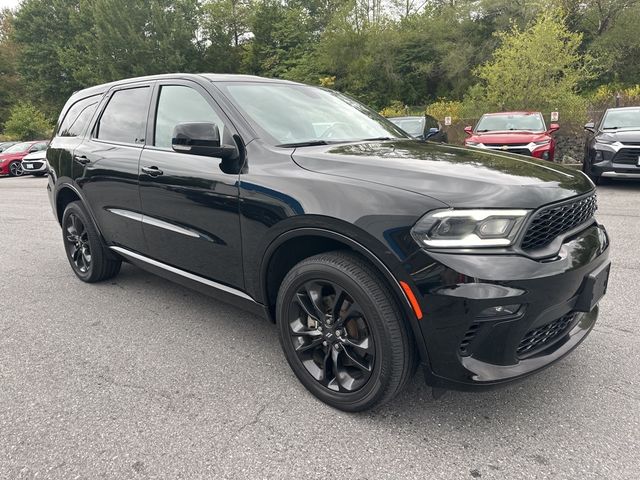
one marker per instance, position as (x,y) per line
(467,349)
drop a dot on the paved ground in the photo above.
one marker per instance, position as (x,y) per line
(140,378)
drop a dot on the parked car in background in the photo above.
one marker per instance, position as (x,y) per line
(11,158)
(423,127)
(523,133)
(370,250)
(5,145)
(35,164)
(612,148)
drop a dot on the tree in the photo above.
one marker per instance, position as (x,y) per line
(10,85)
(540,68)
(26,122)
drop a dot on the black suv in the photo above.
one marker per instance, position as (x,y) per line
(371,251)
(612,148)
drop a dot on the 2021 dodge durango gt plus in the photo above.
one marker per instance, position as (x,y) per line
(371,251)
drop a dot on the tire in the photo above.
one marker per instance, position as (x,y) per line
(15,169)
(586,168)
(39,174)
(354,361)
(89,257)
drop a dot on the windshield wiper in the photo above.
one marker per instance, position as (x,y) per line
(610,128)
(309,143)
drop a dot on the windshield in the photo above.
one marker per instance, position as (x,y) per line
(295,115)
(618,119)
(530,122)
(413,126)
(18,147)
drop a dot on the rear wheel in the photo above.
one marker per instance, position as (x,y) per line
(88,256)
(342,332)
(15,169)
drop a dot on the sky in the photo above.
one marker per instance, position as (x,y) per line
(9,3)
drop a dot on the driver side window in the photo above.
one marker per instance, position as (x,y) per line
(178,104)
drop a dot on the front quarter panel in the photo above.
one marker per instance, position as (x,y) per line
(278,196)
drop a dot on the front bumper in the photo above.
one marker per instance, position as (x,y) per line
(468,349)
(34,167)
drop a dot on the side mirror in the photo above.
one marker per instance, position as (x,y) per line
(432,131)
(200,138)
(590,127)
(468,130)
(554,127)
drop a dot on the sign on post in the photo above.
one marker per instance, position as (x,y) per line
(447,120)
(554,116)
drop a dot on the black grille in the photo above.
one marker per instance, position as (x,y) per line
(549,222)
(539,338)
(627,156)
(468,338)
(36,165)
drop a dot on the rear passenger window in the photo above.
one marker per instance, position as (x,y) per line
(124,120)
(178,104)
(78,117)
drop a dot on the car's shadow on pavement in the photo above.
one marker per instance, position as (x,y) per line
(415,405)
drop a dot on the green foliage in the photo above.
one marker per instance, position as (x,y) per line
(489,54)
(446,108)
(395,109)
(26,122)
(539,68)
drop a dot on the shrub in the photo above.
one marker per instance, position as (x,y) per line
(396,109)
(446,108)
(26,122)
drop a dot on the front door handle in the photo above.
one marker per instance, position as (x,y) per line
(81,159)
(152,170)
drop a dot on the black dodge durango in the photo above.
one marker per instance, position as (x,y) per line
(371,251)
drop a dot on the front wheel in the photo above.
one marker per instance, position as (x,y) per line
(15,169)
(88,256)
(586,168)
(342,332)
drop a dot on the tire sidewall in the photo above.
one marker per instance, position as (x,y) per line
(375,387)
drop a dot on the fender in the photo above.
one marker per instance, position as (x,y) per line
(62,184)
(392,277)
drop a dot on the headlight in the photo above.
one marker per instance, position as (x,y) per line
(468,228)
(542,142)
(472,144)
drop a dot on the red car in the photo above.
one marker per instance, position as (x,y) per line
(11,158)
(514,132)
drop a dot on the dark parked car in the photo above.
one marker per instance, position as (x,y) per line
(613,146)
(371,251)
(424,127)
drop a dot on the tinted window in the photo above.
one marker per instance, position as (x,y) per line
(178,104)
(125,117)
(78,117)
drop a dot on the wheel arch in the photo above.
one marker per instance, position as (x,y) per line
(66,193)
(285,251)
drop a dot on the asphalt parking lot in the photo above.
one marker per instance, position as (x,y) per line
(141,378)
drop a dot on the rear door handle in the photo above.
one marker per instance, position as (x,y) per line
(152,170)
(81,159)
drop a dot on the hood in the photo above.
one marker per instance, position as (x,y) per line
(39,155)
(11,156)
(508,138)
(622,136)
(457,176)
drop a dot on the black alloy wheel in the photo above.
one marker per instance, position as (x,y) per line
(89,257)
(331,336)
(343,333)
(77,243)
(15,169)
